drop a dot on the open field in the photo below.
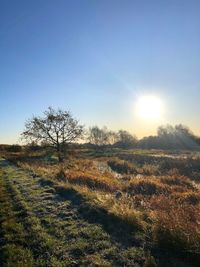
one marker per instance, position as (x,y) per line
(100,208)
(100,133)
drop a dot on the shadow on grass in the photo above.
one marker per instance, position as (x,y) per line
(119,230)
(4,162)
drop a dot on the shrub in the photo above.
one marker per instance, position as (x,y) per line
(192,198)
(92,180)
(150,169)
(14,148)
(147,186)
(122,166)
(179,180)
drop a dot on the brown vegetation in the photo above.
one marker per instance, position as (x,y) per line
(163,204)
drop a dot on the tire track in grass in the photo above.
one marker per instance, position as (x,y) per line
(13,247)
(44,248)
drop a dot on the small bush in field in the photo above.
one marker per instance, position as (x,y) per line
(150,169)
(92,180)
(14,148)
(147,186)
(179,180)
(122,166)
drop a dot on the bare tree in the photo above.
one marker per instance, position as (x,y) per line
(112,137)
(171,137)
(102,138)
(97,136)
(56,128)
(126,140)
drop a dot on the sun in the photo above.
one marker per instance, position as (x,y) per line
(149,108)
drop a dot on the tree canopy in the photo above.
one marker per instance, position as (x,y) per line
(55,128)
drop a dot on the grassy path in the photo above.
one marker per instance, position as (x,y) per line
(39,227)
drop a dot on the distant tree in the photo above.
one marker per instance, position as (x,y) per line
(112,138)
(185,137)
(164,131)
(126,140)
(150,142)
(33,146)
(179,136)
(56,128)
(182,129)
(171,137)
(14,148)
(98,136)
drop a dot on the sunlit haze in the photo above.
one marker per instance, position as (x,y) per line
(149,108)
(131,65)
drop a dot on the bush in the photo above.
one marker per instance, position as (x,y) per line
(177,181)
(122,166)
(192,198)
(92,180)
(14,148)
(147,186)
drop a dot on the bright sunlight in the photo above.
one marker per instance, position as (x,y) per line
(149,108)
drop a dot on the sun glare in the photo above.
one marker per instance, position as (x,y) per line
(149,108)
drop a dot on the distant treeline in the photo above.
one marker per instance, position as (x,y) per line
(11,148)
(168,137)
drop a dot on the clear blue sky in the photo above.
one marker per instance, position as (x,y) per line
(95,58)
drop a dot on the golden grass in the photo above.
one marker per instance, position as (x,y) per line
(175,225)
(93,180)
(147,186)
(167,205)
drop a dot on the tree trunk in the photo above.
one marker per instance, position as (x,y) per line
(60,157)
(59,153)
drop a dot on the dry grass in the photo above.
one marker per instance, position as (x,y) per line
(189,197)
(147,186)
(176,225)
(156,197)
(93,180)
(177,180)
(121,166)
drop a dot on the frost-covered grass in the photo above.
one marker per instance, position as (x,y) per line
(146,205)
